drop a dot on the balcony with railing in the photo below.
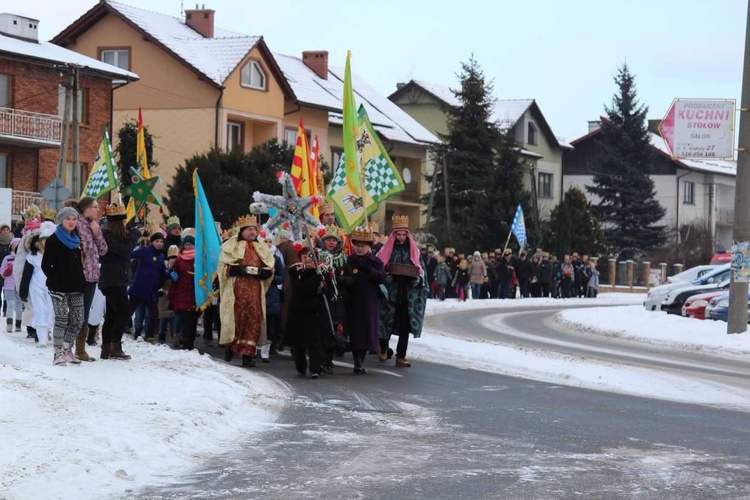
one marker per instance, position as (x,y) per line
(724,216)
(22,199)
(24,128)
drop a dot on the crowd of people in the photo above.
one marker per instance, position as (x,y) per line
(502,275)
(78,278)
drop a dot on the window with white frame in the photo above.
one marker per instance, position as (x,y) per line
(5,91)
(290,137)
(234,136)
(116,57)
(544,185)
(689,193)
(532,137)
(253,76)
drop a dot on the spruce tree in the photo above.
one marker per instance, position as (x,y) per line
(125,152)
(468,150)
(627,206)
(229,180)
(574,228)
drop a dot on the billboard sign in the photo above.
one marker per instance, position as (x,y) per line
(700,128)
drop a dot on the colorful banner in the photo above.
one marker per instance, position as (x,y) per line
(103,177)
(207,247)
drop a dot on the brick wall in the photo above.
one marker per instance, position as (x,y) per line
(35,88)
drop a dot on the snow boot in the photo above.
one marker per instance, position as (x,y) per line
(93,335)
(59,357)
(116,352)
(106,349)
(81,345)
(9,325)
(18,325)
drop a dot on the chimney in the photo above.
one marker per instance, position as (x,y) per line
(201,20)
(317,60)
(594,125)
(24,28)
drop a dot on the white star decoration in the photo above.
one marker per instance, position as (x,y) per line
(292,211)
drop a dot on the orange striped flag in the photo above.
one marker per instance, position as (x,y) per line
(301,163)
(315,177)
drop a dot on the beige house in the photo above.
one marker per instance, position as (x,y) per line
(541,151)
(204,87)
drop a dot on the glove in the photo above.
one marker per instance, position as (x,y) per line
(265,273)
(174,276)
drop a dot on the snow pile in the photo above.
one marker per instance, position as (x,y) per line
(114,426)
(657,327)
(605,299)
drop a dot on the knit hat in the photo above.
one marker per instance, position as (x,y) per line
(156,236)
(188,239)
(173,223)
(66,212)
(173,252)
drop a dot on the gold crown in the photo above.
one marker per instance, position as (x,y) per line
(173,220)
(374,226)
(31,212)
(400,222)
(116,210)
(49,214)
(362,234)
(325,208)
(330,231)
(245,221)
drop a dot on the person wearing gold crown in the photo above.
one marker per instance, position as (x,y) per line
(174,233)
(245,272)
(403,312)
(114,279)
(328,218)
(363,298)
(333,256)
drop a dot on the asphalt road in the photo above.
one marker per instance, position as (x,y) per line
(437,431)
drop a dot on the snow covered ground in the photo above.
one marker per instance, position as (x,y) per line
(113,426)
(109,427)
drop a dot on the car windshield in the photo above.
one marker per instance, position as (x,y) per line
(718,275)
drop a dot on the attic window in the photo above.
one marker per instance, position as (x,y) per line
(533,135)
(253,76)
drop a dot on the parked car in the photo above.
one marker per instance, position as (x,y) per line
(721,257)
(692,274)
(718,309)
(695,306)
(657,294)
(674,300)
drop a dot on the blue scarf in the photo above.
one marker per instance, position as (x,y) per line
(70,240)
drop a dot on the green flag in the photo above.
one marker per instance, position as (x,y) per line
(351,165)
(102,178)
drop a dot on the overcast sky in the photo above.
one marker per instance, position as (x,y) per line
(561,53)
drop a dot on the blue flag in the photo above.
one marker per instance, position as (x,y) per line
(207,246)
(518,228)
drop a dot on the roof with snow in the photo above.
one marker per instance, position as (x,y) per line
(51,53)
(215,58)
(725,167)
(505,112)
(389,120)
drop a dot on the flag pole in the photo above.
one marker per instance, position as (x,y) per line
(507,241)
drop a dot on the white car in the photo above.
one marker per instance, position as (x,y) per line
(692,274)
(657,294)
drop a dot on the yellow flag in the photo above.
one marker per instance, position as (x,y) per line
(140,148)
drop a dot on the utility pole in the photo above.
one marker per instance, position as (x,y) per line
(65,128)
(737,321)
(431,204)
(76,130)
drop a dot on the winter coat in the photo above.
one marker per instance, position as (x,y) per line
(363,301)
(150,274)
(416,297)
(594,279)
(545,272)
(566,271)
(9,283)
(303,326)
(443,274)
(182,291)
(273,295)
(477,272)
(461,278)
(523,269)
(503,269)
(115,263)
(93,246)
(63,267)
(34,289)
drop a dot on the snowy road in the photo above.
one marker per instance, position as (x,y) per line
(537,329)
(444,430)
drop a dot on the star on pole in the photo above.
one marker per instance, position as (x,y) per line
(142,190)
(292,212)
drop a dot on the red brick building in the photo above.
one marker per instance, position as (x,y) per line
(33,76)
